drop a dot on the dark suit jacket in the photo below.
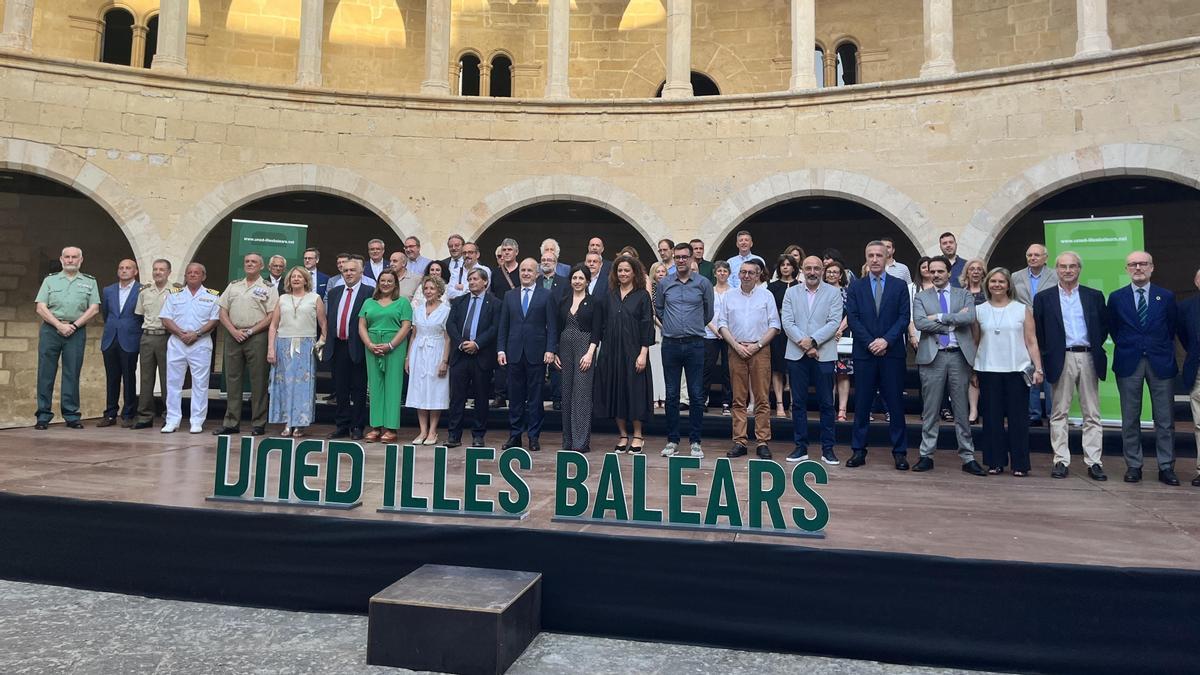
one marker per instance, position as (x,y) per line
(368,272)
(120,324)
(446,271)
(590,315)
(532,334)
(1132,340)
(332,306)
(485,334)
(1189,334)
(322,284)
(1052,337)
(890,323)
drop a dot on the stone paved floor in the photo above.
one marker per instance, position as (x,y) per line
(49,629)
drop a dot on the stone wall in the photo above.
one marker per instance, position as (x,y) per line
(617,48)
(168,158)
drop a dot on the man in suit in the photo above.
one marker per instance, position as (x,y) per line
(344,351)
(120,343)
(596,245)
(320,280)
(1072,325)
(944,316)
(550,278)
(1189,334)
(1028,282)
(276,268)
(878,314)
(473,324)
(949,245)
(812,313)
(452,264)
(375,262)
(704,267)
(598,285)
(526,344)
(1142,319)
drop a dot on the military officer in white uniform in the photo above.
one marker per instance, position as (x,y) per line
(190,314)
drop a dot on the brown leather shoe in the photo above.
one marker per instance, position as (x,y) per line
(388,436)
(372,436)
(107,422)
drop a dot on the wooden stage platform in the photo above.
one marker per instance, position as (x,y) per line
(873,508)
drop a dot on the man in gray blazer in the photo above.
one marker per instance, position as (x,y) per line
(812,312)
(944,316)
(1027,283)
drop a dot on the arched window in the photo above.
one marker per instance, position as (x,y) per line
(151,41)
(847,63)
(501,84)
(116,44)
(819,65)
(702,85)
(468,75)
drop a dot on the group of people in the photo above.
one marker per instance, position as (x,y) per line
(607,338)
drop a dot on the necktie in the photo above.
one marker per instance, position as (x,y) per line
(469,328)
(877,290)
(343,333)
(525,302)
(1142,309)
(943,338)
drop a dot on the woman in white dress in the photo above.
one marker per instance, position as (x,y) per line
(428,359)
(658,271)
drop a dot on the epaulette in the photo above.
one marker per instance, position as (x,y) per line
(213,291)
(85,274)
(176,285)
(144,287)
(176,289)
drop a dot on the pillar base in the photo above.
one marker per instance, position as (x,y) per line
(938,68)
(1090,45)
(169,65)
(558,92)
(435,88)
(678,90)
(801,82)
(16,42)
(308,80)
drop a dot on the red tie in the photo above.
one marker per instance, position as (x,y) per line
(342,334)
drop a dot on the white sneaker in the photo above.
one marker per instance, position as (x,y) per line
(696,451)
(196,429)
(669,449)
(169,428)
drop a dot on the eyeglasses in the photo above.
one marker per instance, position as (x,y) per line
(1138,264)
(683,257)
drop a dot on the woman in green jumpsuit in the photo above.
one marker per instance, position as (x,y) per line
(383,325)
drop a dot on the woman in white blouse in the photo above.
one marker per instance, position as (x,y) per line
(1007,361)
(297,330)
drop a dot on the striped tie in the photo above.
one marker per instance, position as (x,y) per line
(1142,308)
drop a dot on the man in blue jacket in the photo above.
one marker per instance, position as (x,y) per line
(1142,319)
(526,343)
(120,342)
(877,310)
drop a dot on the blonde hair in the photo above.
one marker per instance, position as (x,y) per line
(962,277)
(1007,277)
(437,281)
(287,280)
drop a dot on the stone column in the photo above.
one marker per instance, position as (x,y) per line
(679,49)
(312,32)
(557,85)
(18,25)
(485,79)
(171,54)
(939,38)
(437,48)
(1091,17)
(804,40)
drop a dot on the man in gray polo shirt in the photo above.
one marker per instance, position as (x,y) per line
(683,302)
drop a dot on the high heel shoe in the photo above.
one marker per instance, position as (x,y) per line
(621,448)
(636,448)
(387,436)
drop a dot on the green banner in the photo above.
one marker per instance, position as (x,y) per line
(254,236)
(1102,244)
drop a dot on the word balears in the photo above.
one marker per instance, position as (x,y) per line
(573,497)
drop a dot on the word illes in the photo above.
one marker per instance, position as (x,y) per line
(291,488)
(767,483)
(399,472)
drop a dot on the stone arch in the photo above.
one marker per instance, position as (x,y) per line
(563,188)
(893,204)
(1052,175)
(89,180)
(237,192)
(714,61)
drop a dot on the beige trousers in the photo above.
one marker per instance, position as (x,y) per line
(1079,375)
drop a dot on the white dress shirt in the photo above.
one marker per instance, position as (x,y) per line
(748,316)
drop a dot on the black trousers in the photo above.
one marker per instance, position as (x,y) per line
(119,367)
(469,379)
(350,387)
(716,371)
(525,411)
(1005,395)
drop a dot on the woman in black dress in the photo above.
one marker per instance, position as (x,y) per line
(578,321)
(787,271)
(623,389)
